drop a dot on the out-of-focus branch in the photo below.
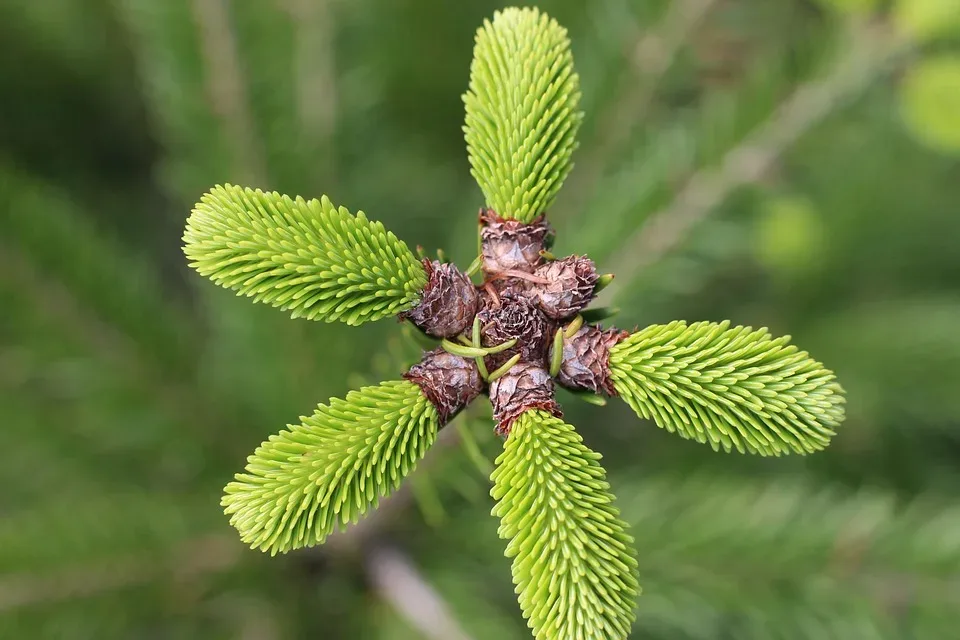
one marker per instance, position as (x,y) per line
(216,553)
(398,582)
(226,88)
(119,350)
(650,55)
(871,51)
(653,53)
(316,78)
(191,559)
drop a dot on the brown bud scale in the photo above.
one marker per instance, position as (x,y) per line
(586,360)
(448,381)
(526,386)
(510,245)
(569,286)
(449,301)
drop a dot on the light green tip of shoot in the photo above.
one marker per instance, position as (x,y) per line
(303,484)
(521,112)
(573,562)
(734,388)
(304,256)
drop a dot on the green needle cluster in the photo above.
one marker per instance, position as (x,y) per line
(304,256)
(303,484)
(573,561)
(522,118)
(734,388)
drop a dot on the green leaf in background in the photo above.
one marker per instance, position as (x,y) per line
(734,388)
(522,117)
(304,256)
(927,19)
(303,484)
(930,102)
(789,236)
(573,561)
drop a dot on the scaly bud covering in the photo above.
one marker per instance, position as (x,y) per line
(524,387)
(326,472)
(522,117)
(586,360)
(448,303)
(305,256)
(449,382)
(515,318)
(510,244)
(733,388)
(573,561)
(569,286)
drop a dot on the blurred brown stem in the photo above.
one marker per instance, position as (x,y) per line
(397,580)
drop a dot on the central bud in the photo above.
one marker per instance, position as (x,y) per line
(505,318)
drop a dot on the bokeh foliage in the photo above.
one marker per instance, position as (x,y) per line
(130,390)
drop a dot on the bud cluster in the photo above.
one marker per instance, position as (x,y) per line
(527,295)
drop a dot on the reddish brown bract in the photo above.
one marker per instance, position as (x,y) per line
(511,245)
(568,289)
(449,301)
(449,382)
(586,360)
(526,386)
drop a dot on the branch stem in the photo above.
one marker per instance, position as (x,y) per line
(872,50)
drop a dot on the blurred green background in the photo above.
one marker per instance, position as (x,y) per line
(789,164)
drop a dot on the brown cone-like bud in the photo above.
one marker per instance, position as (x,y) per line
(448,304)
(515,318)
(510,244)
(526,386)
(569,286)
(586,360)
(449,382)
